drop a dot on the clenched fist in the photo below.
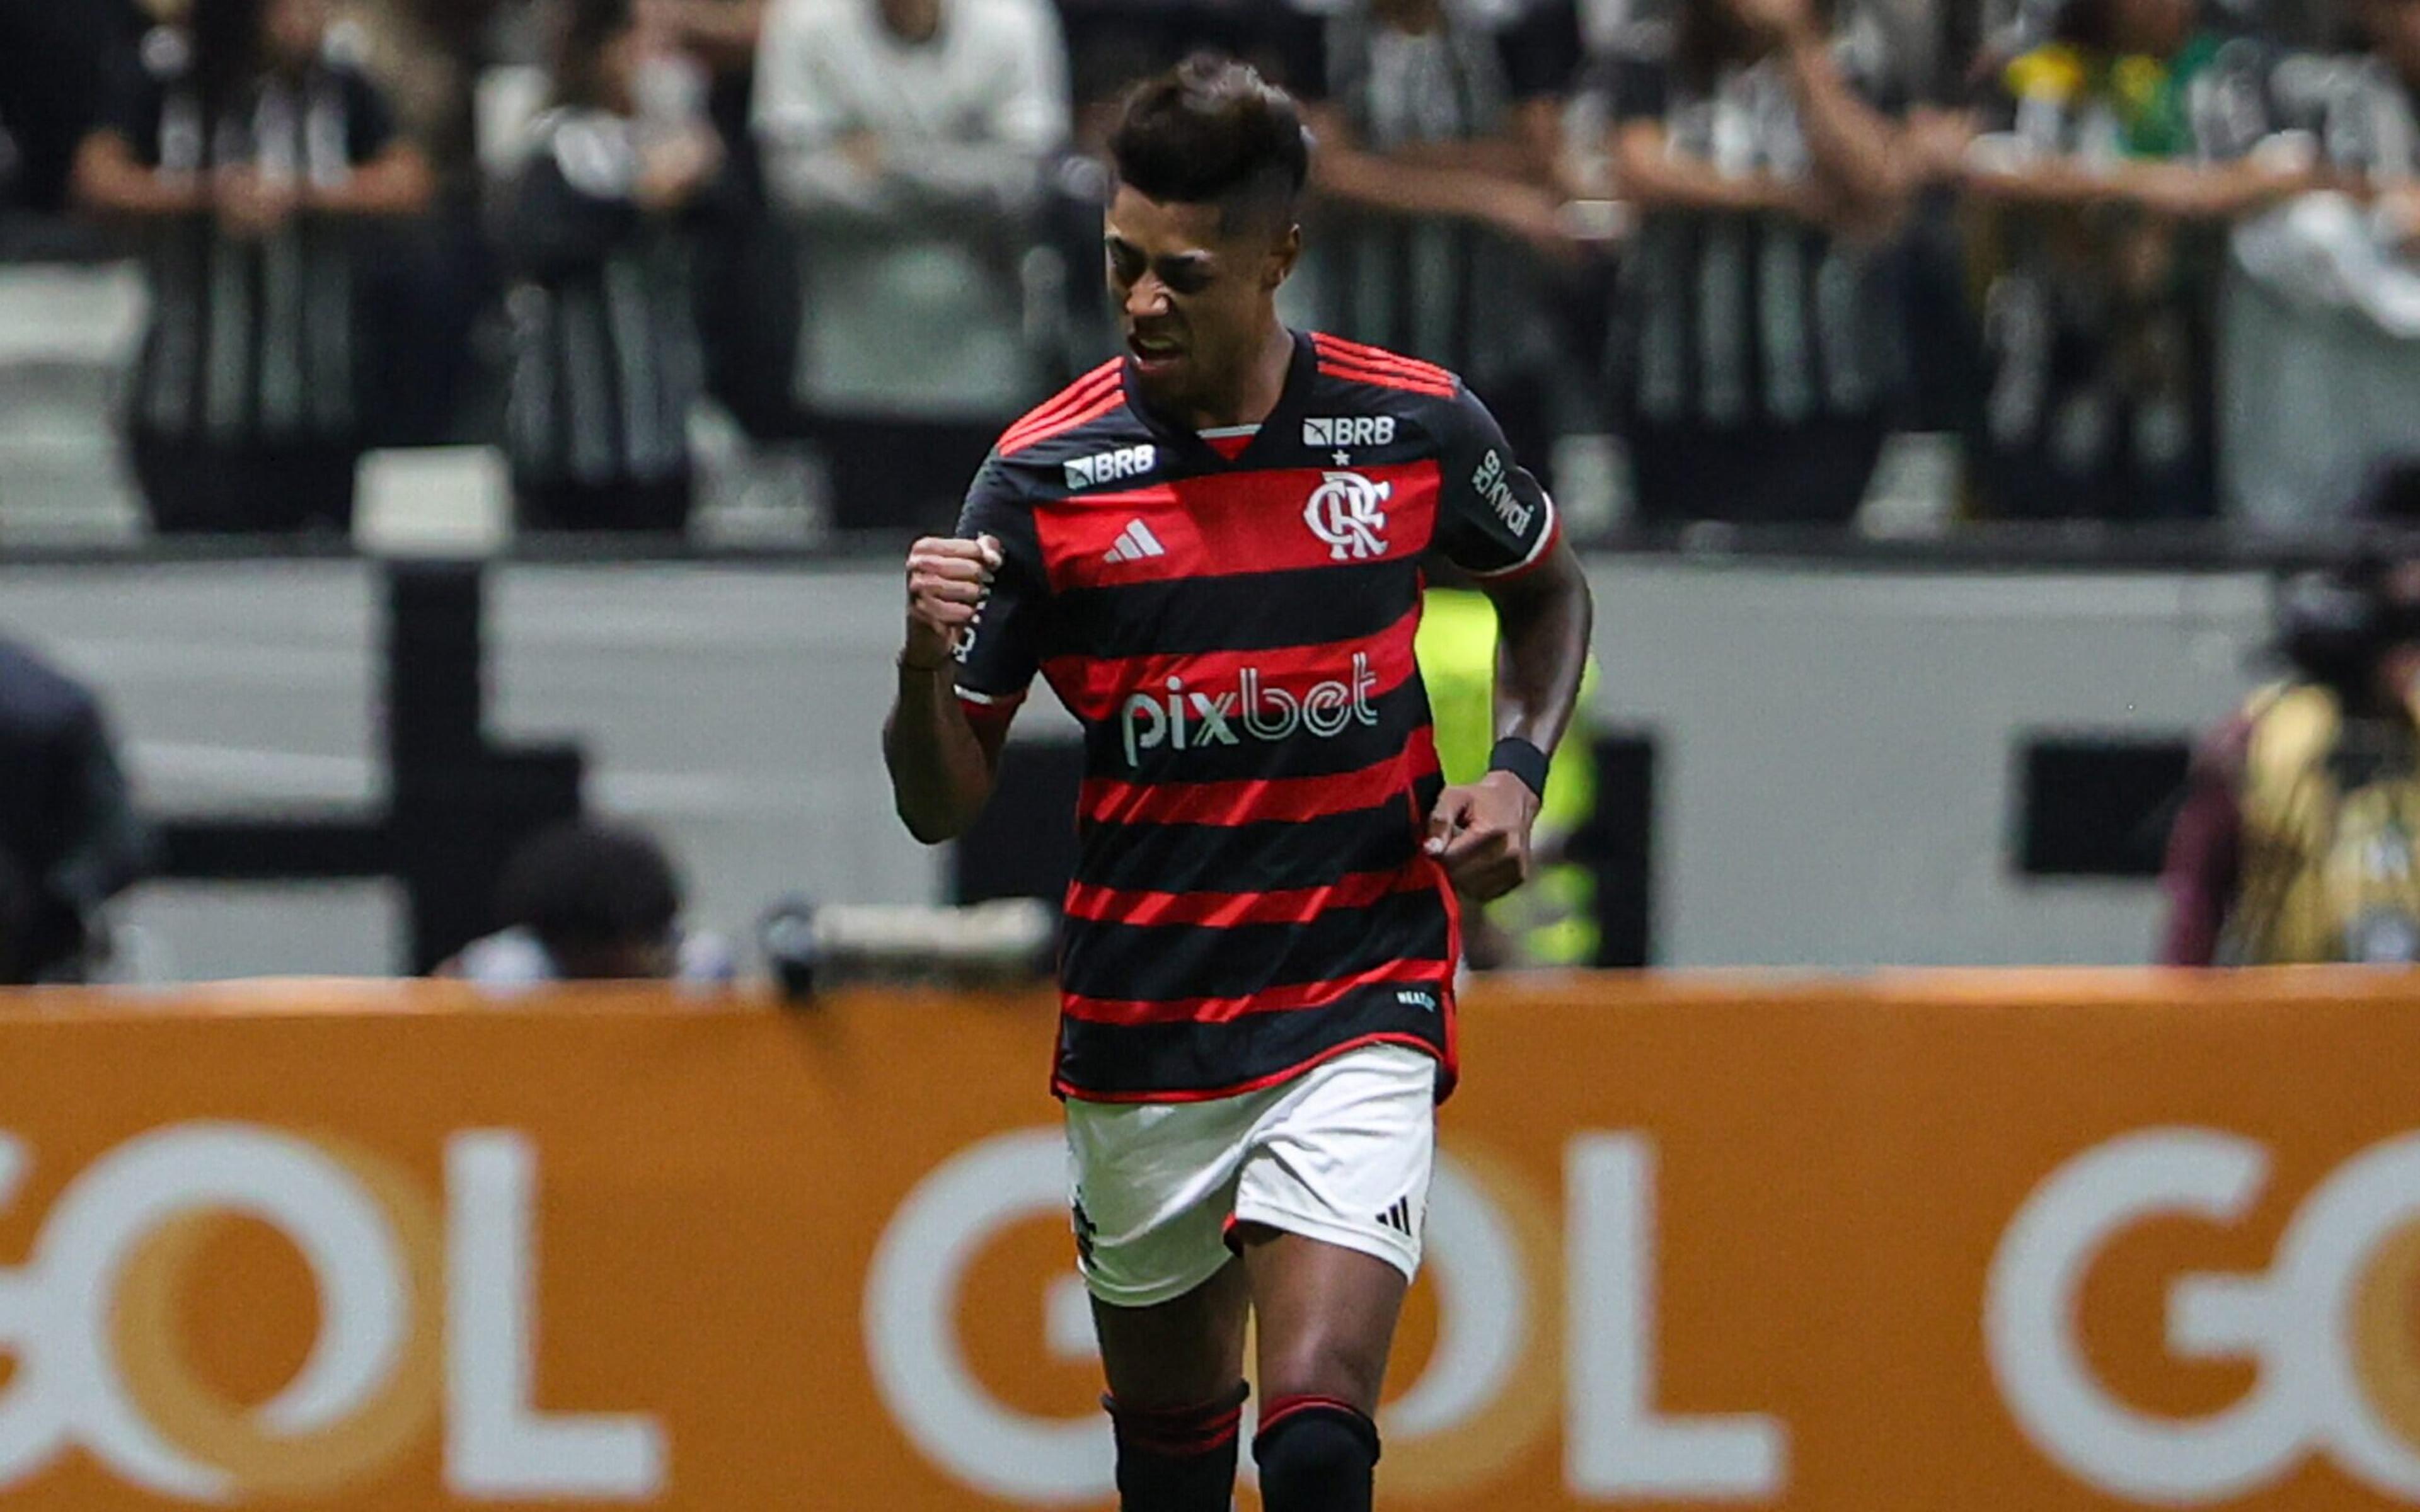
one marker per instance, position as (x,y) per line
(947,580)
(1480,834)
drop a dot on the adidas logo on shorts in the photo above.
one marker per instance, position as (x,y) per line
(1136,543)
(1085,1233)
(1399,1217)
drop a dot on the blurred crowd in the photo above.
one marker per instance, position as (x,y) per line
(2107,246)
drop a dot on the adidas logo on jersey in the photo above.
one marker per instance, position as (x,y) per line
(1110,467)
(1350,430)
(1136,543)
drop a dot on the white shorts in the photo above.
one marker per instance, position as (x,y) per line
(1341,1154)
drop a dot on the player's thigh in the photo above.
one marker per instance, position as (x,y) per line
(1152,1188)
(1331,1206)
(1326,1317)
(1177,1353)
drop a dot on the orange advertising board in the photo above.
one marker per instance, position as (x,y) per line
(2020,1241)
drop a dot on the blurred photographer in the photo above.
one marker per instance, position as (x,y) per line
(2300,837)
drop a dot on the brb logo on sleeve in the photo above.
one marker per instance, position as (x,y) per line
(1110,467)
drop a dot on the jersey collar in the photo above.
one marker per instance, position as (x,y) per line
(1294,400)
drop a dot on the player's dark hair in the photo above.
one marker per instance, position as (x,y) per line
(585,887)
(584,29)
(1212,131)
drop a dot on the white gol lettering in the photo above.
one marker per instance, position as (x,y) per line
(2297,1321)
(921,1266)
(58,1309)
(1618,1445)
(1491,484)
(1343,512)
(1110,467)
(1186,719)
(1350,430)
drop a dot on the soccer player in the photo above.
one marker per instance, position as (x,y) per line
(1214,548)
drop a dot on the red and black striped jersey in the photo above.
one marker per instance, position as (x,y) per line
(1231,618)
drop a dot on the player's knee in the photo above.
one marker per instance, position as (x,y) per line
(1316,1455)
(1178,1459)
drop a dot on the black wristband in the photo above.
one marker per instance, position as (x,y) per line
(1523,760)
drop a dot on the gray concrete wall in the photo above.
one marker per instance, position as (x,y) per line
(1837,744)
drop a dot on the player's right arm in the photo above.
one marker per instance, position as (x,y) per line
(941,766)
(974,601)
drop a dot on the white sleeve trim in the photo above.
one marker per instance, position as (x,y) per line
(988,700)
(1537,548)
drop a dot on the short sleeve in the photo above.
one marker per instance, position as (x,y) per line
(369,120)
(571,204)
(1542,50)
(1641,88)
(1001,650)
(131,108)
(2235,106)
(1493,521)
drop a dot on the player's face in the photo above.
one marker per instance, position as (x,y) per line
(1195,296)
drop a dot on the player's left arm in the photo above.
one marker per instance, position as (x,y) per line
(1498,526)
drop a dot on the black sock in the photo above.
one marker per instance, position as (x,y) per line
(1316,1455)
(1178,1459)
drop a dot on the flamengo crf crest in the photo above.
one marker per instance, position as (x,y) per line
(1343,512)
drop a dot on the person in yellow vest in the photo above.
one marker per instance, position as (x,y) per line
(1552,921)
(2300,837)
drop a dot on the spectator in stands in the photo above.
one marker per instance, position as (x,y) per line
(588,902)
(1757,348)
(1112,43)
(57,62)
(748,276)
(2300,837)
(1444,207)
(2119,153)
(907,138)
(70,839)
(598,230)
(250,154)
(2370,122)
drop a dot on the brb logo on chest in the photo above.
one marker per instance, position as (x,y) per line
(1344,512)
(1186,718)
